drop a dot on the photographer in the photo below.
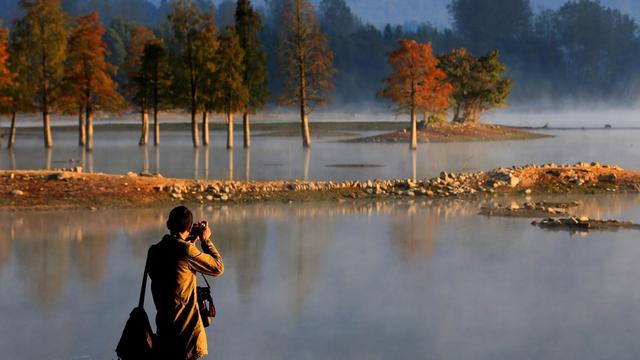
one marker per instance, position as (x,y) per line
(173,265)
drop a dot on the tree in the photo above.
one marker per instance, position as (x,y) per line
(248,26)
(16,92)
(478,84)
(136,85)
(306,62)
(41,35)
(417,84)
(88,76)
(194,37)
(7,78)
(488,24)
(231,94)
(157,81)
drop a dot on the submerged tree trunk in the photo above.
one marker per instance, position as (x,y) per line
(46,121)
(156,128)
(12,131)
(304,116)
(82,134)
(144,137)
(89,119)
(205,128)
(414,130)
(247,130)
(229,131)
(194,127)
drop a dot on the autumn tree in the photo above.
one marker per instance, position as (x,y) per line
(41,35)
(306,62)
(88,76)
(16,92)
(155,81)
(192,44)
(478,84)
(137,85)
(248,26)
(231,94)
(417,84)
(7,77)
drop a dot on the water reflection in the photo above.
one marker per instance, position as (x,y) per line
(321,280)
(282,158)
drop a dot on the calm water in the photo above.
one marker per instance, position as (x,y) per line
(283,157)
(325,281)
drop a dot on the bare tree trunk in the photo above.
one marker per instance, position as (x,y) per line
(46,120)
(12,131)
(89,119)
(144,137)
(306,136)
(247,130)
(157,160)
(456,114)
(414,130)
(307,161)
(194,127)
(196,163)
(82,133)
(156,128)
(247,165)
(229,131)
(230,165)
(205,128)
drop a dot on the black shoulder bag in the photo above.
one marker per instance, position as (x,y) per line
(205,303)
(137,340)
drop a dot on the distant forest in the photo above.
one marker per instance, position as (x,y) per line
(582,51)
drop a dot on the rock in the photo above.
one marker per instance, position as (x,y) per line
(17,192)
(176,196)
(132,174)
(607,178)
(584,219)
(514,181)
(528,191)
(209,197)
(224,197)
(78,169)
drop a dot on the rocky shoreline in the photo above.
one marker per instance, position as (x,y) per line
(72,188)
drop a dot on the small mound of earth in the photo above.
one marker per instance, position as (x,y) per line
(530,209)
(584,224)
(452,132)
(354,165)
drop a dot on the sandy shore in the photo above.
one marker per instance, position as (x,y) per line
(40,189)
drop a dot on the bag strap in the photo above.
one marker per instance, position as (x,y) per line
(144,281)
(205,280)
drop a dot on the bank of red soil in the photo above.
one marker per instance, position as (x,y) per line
(451,132)
(56,189)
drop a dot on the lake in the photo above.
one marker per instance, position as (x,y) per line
(273,157)
(365,280)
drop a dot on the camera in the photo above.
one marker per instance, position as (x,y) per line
(197,230)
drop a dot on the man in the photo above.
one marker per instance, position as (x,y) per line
(173,265)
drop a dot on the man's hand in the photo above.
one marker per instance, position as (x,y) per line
(206,233)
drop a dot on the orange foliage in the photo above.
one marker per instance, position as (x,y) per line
(88,74)
(417,84)
(6,77)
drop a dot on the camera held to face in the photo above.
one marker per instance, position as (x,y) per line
(197,230)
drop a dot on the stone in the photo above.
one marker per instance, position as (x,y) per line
(78,169)
(176,196)
(132,174)
(224,197)
(17,192)
(607,178)
(209,197)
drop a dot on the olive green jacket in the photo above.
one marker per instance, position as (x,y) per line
(173,265)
